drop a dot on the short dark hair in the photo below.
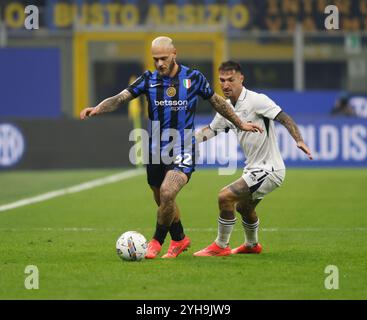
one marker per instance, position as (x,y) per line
(230,65)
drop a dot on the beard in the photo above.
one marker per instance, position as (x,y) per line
(166,72)
(171,66)
(227,93)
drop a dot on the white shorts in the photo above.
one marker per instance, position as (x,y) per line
(261,182)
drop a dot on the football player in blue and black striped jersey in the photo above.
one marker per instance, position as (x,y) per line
(172,92)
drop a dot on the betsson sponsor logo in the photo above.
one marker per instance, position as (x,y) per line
(176,105)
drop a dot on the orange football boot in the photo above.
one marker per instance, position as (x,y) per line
(154,248)
(213,251)
(176,247)
(246,248)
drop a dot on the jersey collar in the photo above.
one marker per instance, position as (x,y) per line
(243,94)
(241,98)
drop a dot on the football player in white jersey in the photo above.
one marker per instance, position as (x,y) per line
(264,168)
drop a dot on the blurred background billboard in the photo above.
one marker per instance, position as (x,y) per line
(58,56)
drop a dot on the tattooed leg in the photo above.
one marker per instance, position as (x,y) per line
(247,210)
(172,184)
(227,199)
(157,199)
(177,213)
(237,194)
(250,221)
(156,196)
(229,196)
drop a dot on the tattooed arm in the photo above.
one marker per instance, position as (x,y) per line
(292,128)
(204,134)
(227,112)
(107,105)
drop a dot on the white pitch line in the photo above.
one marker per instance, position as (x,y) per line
(73,189)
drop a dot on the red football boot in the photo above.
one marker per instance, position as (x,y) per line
(245,248)
(213,251)
(154,248)
(176,247)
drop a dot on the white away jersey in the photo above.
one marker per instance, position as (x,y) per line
(261,149)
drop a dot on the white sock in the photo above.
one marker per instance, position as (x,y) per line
(225,228)
(251,232)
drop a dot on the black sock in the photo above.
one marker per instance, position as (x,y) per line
(160,233)
(176,231)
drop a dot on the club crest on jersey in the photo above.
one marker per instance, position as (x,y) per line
(171,91)
(187,83)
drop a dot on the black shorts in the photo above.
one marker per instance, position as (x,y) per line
(157,172)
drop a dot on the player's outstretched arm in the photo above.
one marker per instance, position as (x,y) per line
(227,112)
(107,105)
(204,134)
(292,128)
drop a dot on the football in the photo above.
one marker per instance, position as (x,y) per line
(131,246)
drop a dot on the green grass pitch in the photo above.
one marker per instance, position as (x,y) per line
(317,218)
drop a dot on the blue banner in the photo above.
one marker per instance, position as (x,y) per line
(310,102)
(31,82)
(334,142)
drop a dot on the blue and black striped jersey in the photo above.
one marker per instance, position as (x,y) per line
(172,103)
